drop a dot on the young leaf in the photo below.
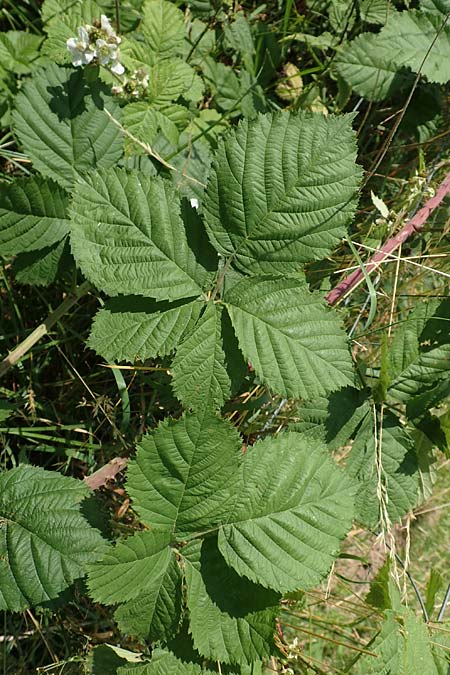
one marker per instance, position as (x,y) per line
(184,474)
(294,342)
(33,215)
(231,619)
(282,190)
(128,237)
(135,329)
(45,543)
(60,121)
(131,567)
(154,614)
(208,362)
(292,508)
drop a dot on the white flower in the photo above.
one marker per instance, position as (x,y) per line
(96,43)
(194,202)
(80,49)
(105,52)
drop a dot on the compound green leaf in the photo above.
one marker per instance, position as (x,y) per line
(183,475)
(163,28)
(369,71)
(293,507)
(60,124)
(282,189)
(33,215)
(231,619)
(136,329)
(45,543)
(208,362)
(400,470)
(377,65)
(154,614)
(129,237)
(293,340)
(130,567)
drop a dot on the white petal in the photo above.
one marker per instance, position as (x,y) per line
(87,57)
(72,44)
(103,59)
(106,25)
(77,62)
(117,68)
(194,202)
(84,35)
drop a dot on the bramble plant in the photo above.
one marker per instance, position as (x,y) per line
(201,235)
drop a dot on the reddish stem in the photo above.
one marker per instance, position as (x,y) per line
(414,225)
(106,473)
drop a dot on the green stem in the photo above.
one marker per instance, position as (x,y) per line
(43,329)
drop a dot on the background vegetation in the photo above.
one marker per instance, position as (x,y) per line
(63,407)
